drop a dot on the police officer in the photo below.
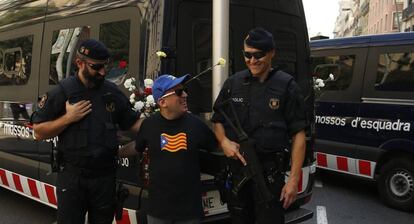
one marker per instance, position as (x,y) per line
(270,109)
(84,111)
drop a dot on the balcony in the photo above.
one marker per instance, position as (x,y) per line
(408,12)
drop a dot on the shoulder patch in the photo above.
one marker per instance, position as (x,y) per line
(42,101)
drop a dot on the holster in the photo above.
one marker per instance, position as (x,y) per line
(223,181)
(55,160)
(121,194)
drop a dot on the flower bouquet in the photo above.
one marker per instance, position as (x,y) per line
(141,99)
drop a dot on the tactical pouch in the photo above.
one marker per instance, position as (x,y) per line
(74,137)
(271,136)
(110,136)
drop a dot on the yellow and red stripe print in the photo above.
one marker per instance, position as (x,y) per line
(174,143)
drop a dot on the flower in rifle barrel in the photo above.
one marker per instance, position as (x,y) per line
(161,54)
(319,83)
(141,99)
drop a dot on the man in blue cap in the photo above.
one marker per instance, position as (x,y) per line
(173,137)
(84,111)
(270,108)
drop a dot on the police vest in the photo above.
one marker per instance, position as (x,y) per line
(262,117)
(96,133)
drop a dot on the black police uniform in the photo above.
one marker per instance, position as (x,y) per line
(269,112)
(87,148)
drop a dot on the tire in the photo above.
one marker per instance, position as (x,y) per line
(396,184)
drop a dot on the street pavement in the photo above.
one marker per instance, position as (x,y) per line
(337,199)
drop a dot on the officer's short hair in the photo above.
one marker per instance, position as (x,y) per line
(260,38)
(93,49)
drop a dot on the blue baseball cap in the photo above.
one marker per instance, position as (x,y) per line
(164,83)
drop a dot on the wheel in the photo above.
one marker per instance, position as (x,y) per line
(396,184)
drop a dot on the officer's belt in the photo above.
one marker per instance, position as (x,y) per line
(89,173)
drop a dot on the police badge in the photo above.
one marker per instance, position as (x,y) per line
(274,103)
(110,107)
(42,101)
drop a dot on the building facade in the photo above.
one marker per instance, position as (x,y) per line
(408,16)
(362,17)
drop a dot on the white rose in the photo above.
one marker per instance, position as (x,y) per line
(331,76)
(138,105)
(132,88)
(150,100)
(128,82)
(132,96)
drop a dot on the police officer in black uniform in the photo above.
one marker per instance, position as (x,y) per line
(84,111)
(270,109)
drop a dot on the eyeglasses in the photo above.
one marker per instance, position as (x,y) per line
(179,92)
(257,55)
(97,67)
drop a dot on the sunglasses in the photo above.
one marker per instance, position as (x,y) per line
(257,55)
(97,67)
(179,92)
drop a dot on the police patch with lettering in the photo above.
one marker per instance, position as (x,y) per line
(42,101)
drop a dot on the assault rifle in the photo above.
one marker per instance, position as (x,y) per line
(253,170)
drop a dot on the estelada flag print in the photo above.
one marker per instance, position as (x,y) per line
(174,143)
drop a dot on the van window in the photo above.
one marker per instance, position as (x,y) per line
(15,59)
(341,67)
(115,36)
(64,44)
(395,72)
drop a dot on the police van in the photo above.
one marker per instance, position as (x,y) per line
(364,111)
(37,42)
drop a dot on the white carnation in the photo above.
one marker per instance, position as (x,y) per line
(148,83)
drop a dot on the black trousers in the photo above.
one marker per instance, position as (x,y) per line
(246,209)
(78,195)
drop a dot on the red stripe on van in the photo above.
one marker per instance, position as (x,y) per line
(17,182)
(33,188)
(3,177)
(364,167)
(125,218)
(321,159)
(300,187)
(50,194)
(342,163)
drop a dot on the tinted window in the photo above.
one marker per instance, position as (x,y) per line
(341,68)
(15,59)
(115,36)
(64,44)
(395,72)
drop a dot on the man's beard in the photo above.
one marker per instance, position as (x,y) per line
(94,81)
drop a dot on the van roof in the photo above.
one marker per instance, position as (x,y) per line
(364,41)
